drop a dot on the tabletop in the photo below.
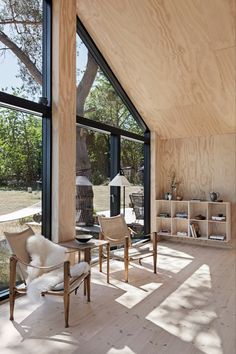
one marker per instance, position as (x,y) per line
(93,243)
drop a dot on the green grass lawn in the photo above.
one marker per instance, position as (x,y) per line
(12,200)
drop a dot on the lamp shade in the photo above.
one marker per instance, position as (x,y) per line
(119,181)
(82,181)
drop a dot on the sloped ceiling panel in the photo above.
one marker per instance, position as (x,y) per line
(175,59)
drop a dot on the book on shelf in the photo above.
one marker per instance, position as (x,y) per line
(164,232)
(182,215)
(218,218)
(217,237)
(194,230)
(164,215)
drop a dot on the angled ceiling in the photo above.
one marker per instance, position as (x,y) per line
(175,59)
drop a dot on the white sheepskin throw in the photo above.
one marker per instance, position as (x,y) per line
(46,253)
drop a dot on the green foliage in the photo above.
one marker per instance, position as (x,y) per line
(21,21)
(20,148)
(4,268)
(104,105)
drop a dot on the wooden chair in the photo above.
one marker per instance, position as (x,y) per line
(21,259)
(115,230)
(137,202)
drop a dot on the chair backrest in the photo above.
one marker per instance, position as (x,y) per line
(17,243)
(137,200)
(114,227)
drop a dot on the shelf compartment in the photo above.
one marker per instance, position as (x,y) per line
(202,226)
(198,208)
(163,224)
(215,208)
(217,228)
(163,206)
(180,225)
(180,207)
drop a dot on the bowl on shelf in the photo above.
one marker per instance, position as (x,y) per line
(83,238)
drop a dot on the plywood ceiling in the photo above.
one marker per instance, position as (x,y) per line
(174,58)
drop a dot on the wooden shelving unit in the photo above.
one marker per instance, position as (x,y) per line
(173,219)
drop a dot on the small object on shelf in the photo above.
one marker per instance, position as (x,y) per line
(217,237)
(182,233)
(218,218)
(179,197)
(214,196)
(164,232)
(181,214)
(200,217)
(168,196)
(164,215)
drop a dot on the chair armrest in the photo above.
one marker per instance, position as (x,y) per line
(59,265)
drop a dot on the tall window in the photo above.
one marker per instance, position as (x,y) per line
(102,105)
(24,120)
(21,48)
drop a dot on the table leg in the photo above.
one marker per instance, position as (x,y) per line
(87,259)
(108,261)
(100,258)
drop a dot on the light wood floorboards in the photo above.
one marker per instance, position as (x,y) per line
(188,307)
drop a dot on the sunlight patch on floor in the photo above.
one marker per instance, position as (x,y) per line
(173,252)
(188,313)
(124,350)
(134,295)
(172,264)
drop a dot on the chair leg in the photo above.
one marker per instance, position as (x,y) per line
(87,282)
(100,258)
(108,263)
(126,251)
(155,252)
(66,296)
(66,309)
(12,285)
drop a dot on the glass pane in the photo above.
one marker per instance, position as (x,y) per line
(97,99)
(21,48)
(20,178)
(132,164)
(92,178)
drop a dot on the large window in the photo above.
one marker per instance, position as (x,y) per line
(21,25)
(25,121)
(20,177)
(117,142)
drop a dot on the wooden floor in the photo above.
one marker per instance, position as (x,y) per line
(188,307)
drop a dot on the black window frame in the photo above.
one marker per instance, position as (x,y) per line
(41,109)
(115,132)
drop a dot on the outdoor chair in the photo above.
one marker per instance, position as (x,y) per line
(115,230)
(137,202)
(21,258)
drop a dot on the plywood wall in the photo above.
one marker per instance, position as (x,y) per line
(201,165)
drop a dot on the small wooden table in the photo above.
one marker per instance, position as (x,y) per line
(86,248)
